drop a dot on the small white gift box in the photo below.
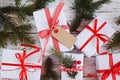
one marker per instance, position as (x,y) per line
(45,19)
(93,36)
(16,65)
(108,67)
(79,67)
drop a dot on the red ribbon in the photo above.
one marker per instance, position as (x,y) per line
(52,22)
(22,58)
(98,36)
(114,69)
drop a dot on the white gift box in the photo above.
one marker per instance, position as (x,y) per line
(42,24)
(103,63)
(90,48)
(79,76)
(12,72)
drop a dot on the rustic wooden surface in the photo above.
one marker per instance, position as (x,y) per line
(109,11)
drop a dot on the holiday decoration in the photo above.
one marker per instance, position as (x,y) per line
(21,65)
(47,20)
(108,67)
(49,72)
(74,70)
(71,65)
(85,10)
(12,22)
(93,36)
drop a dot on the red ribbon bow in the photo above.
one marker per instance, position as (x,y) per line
(22,58)
(52,22)
(114,69)
(96,35)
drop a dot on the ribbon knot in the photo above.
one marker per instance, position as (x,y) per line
(21,58)
(52,21)
(98,36)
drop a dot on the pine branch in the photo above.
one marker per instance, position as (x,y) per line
(8,9)
(114,43)
(18,32)
(118,21)
(3,39)
(85,9)
(13,31)
(41,3)
(66,61)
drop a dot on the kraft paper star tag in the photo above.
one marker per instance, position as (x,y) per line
(63,36)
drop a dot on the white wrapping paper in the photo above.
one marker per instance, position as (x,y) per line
(42,24)
(9,57)
(102,62)
(79,76)
(90,48)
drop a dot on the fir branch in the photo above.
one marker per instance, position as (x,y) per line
(118,21)
(18,32)
(28,10)
(8,9)
(114,43)
(73,74)
(85,9)
(17,3)
(66,61)
(3,39)
(13,31)
(41,3)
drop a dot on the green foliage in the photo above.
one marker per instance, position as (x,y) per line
(118,21)
(41,3)
(85,9)
(66,61)
(10,30)
(114,43)
(49,72)
(73,74)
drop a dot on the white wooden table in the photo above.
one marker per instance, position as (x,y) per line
(109,11)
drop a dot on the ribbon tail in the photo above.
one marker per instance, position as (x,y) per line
(44,49)
(105,75)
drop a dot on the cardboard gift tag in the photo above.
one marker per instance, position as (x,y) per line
(63,36)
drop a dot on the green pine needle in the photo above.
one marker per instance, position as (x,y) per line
(85,9)
(9,30)
(66,61)
(73,74)
(114,43)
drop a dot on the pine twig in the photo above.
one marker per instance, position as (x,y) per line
(85,9)
(66,61)
(114,43)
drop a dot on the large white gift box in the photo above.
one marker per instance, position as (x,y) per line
(12,67)
(79,76)
(108,67)
(94,36)
(44,20)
